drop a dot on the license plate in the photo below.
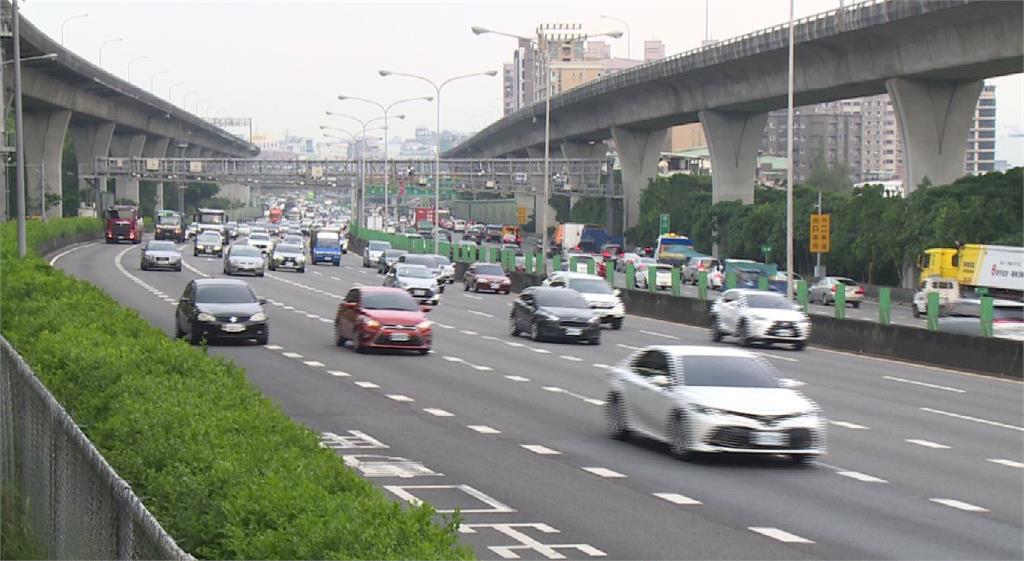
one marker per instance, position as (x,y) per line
(418,292)
(399,336)
(494,286)
(573,331)
(233,328)
(769,438)
(161,259)
(786,333)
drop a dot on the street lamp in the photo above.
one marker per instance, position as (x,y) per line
(184,98)
(65,22)
(128,76)
(628,34)
(437,152)
(152,81)
(362,162)
(170,90)
(546,59)
(385,109)
(362,158)
(789,164)
(104,44)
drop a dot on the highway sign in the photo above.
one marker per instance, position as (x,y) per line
(663,224)
(821,240)
(521,215)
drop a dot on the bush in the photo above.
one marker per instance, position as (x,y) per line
(226,473)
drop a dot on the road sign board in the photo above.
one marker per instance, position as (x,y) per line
(521,214)
(663,224)
(821,239)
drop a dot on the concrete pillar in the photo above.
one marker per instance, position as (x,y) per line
(639,151)
(44,150)
(193,151)
(91,141)
(156,147)
(934,117)
(127,145)
(733,140)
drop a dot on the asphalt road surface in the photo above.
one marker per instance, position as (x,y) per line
(923,463)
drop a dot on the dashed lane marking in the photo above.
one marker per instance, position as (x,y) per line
(292,355)
(339,373)
(472,297)
(67,251)
(656,334)
(514,344)
(484,429)
(335,278)
(627,347)
(924,384)
(861,477)
(600,365)
(974,419)
(313,363)
(848,425)
(515,378)
(367,385)
(603,472)
(438,412)
(781,535)
(927,443)
(326,320)
(1007,463)
(481,314)
(676,498)
(571,358)
(953,503)
(542,450)
(444,325)
(400,397)
(467,332)
(540,351)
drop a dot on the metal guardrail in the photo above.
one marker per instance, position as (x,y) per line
(576,177)
(68,495)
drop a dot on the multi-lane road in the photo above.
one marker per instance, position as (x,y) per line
(923,463)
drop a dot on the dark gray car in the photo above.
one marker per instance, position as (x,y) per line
(160,254)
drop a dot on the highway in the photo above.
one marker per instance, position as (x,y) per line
(923,463)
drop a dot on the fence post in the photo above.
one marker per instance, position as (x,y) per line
(986,316)
(801,294)
(933,311)
(528,263)
(677,285)
(762,282)
(730,280)
(609,272)
(591,267)
(702,285)
(884,306)
(556,262)
(840,301)
(652,278)
(630,275)
(572,263)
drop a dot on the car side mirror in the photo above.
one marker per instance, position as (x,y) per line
(262,301)
(660,380)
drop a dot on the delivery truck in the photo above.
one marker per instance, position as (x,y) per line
(994,269)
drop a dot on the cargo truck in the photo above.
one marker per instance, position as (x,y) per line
(169,226)
(994,269)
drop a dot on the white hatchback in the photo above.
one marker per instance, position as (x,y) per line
(759,316)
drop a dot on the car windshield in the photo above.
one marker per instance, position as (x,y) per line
(847,282)
(287,248)
(560,299)
(161,246)
(259,237)
(592,286)
(245,251)
(389,301)
(379,246)
(414,271)
(224,294)
(728,371)
(168,220)
(768,301)
(490,270)
(424,260)
(442,261)
(209,238)
(394,253)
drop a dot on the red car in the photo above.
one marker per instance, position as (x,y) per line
(382,318)
(486,276)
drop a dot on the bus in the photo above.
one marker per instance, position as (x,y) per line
(673,249)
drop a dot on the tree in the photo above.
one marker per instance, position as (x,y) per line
(829,177)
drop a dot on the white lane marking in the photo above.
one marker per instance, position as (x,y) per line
(1008,463)
(400,397)
(484,429)
(489,338)
(467,332)
(848,425)
(540,351)
(335,278)
(524,542)
(312,316)
(438,412)
(339,373)
(627,347)
(593,401)
(542,450)
(676,498)
(193,269)
(314,363)
(444,325)
(861,477)
(600,365)
(367,385)
(927,443)
(362,272)
(514,344)
(452,358)
(968,418)
(318,274)
(495,506)
(289,307)
(67,251)
(301,312)
(326,320)
(603,472)
(518,378)
(290,354)
(571,358)
(925,384)
(278,304)
(781,535)
(554,389)
(656,334)
(472,297)
(959,505)
(481,367)
(481,314)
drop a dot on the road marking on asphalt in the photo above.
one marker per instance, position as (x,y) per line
(540,351)
(290,354)
(400,397)
(326,320)
(1008,463)
(367,385)
(314,363)
(974,419)
(67,251)
(339,373)
(193,269)
(657,334)
(959,505)
(444,325)
(312,316)
(473,297)
(554,389)
(495,506)
(354,440)
(526,543)
(452,358)
(781,535)
(301,312)
(481,314)
(480,367)
(861,477)
(603,472)
(518,378)
(489,338)
(924,384)
(278,304)
(514,344)
(627,347)
(927,443)
(676,498)
(571,358)
(319,274)
(388,466)
(542,450)
(848,425)
(362,272)
(335,278)
(289,307)
(601,365)
(468,332)
(438,412)
(484,429)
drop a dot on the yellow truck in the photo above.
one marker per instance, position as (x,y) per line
(997,268)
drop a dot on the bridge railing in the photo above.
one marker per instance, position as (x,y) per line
(57,483)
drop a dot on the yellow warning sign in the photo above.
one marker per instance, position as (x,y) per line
(821,227)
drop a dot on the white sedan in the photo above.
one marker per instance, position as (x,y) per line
(712,399)
(759,316)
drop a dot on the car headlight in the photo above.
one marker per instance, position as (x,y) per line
(258,316)
(300,257)
(203,316)
(594,319)
(424,325)
(505,281)
(371,323)
(705,410)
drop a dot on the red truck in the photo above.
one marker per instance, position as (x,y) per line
(123,223)
(275,215)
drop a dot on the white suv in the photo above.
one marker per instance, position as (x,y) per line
(603,299)
(756,315)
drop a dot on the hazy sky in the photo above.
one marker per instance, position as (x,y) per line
(284,63)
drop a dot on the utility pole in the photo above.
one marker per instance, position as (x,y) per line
(19,132)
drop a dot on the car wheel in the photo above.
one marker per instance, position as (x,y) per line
(195,253)
(302,269)
(594,341)
(424,351)
(513,329)
(357,344)
(800,459)
(476,287)
(260,274)
(743,333)
(142,266)
(178,333)
(617,324)
(534,331)
(799,345)
(856,304)
(193,339)
(465,287)
(263,340)
(679,438)
(615,417)
(339,339)
(177,269)
(716,332)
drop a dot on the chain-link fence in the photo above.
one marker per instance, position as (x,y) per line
(70,500)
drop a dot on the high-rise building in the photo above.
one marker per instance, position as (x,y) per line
(882,145)
(508,88)
(520,81)
(981,138)
(654,50)
(829,130)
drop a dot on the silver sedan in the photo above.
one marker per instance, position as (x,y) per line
(160,254)
(244,259)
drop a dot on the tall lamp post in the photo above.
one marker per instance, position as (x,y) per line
(546,59)
(128,75)
(19,134)
(104,44)
(629,35)
(152,81)
(362,157)
(789,165)
(351,138)
(65,22)
(437,153)
(386,109)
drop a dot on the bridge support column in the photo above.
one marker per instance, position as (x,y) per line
(91,141)
(156,147)
(127,146)
(733,140)
(934,117)
(639,151)
(44,150)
